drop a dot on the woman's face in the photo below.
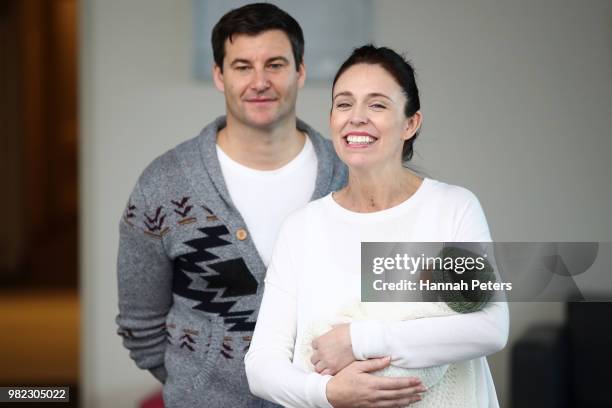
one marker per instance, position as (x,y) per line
(367,119)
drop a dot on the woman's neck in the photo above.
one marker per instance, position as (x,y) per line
(375,191)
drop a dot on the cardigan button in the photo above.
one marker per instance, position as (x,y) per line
(241,234)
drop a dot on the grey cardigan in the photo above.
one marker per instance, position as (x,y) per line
(190,279)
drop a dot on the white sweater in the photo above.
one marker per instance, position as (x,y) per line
(315,271)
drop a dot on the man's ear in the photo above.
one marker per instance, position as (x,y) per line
(217,75)
(412,125)
(301,75)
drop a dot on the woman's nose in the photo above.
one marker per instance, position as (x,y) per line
(359,116)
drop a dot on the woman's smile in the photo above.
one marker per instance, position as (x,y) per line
(359,139)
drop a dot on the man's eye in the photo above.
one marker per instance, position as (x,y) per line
(242,68)
(275,66)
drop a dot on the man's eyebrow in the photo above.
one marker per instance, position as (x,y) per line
(269,60)
(280,57)
(240,61)
(370,95)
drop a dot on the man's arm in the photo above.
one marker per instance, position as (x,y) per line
(144,274)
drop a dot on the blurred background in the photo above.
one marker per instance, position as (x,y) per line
(39,248)
(515,97)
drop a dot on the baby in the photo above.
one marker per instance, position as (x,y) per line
(449,385)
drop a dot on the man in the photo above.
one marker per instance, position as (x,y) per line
(201,222)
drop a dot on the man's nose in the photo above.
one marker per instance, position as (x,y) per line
(261,81)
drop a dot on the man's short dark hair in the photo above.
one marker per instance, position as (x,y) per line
(254,19)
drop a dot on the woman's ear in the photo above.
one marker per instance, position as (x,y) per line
(412,125)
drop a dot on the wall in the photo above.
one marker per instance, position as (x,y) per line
(515,104)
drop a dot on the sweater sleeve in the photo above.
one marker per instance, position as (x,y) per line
(268,363)
(144,275)
(439,340)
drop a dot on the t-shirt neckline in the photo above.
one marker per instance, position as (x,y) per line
(304,154)
(411,201)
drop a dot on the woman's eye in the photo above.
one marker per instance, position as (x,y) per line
(378,106)
(343,105)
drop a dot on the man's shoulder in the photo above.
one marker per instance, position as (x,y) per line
(330,163)
(317,139)
(163,169)
(170,165)
(167,181)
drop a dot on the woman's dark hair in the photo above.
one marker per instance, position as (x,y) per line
(400,69)
(253,19)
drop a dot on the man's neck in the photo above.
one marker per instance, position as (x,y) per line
(261,149)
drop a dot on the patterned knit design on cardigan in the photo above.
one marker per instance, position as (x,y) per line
(450,385)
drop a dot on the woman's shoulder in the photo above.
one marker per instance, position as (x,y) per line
(463,208)
(306,215)
(450,194)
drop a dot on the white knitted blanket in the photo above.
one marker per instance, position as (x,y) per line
(449,386)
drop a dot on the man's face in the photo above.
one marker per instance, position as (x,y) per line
(259,79)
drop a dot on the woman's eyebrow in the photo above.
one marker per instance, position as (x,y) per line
(345,93)
(370,95)
(378,94)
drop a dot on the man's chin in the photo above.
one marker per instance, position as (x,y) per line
(264,121)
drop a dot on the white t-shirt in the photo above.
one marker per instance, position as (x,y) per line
(315,270)
(265,197)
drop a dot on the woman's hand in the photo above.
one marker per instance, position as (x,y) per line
(333,350)
(355,387)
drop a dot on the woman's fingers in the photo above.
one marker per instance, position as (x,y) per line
(353,387)
(373,364)
(400,394)
(396,383)
(398,398)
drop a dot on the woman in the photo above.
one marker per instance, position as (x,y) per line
(315,269)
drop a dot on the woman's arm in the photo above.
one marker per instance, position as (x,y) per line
(436,340)
(433,341)
(415,343)
(268,363)
(269,369)
(273,376)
